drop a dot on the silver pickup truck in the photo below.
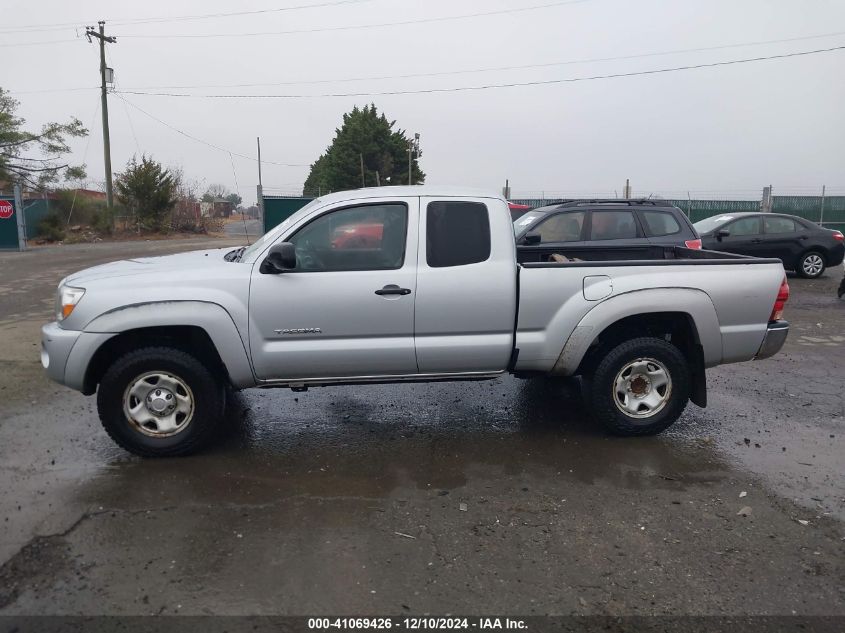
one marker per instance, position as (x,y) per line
(400,284)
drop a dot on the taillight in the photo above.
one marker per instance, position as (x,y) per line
(780,302)
(838,236)
(693,244)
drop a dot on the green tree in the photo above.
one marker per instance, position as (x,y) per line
(148,190)
(369,135)
(35,159)
(235,199)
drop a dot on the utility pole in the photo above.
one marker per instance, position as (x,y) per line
(260,185)
(413,146)
(766,202)
(101,35)
(363,182)
(258,142)
(821,214)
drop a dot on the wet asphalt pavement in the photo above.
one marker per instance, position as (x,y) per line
(243,228)
(486,497)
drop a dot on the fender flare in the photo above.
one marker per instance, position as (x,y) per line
(690,301)
(213,318)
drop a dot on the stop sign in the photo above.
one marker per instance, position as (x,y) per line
(6,210)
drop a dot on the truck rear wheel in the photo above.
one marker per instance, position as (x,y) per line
(160,402)
(640,387)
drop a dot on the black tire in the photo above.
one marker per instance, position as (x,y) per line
(209,400)
(601,394)
(801,263)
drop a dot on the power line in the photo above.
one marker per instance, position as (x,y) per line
(492,86)
(36,28)
(40,91)
(502,68)
(353,27)
(199,140)
(459,72)
(37,43)
(205,16)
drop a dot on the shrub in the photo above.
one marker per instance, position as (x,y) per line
(51,227)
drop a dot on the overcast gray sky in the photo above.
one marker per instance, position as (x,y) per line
(726,130)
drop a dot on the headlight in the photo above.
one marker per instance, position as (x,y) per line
(66,301)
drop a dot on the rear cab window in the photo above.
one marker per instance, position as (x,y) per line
(457,233)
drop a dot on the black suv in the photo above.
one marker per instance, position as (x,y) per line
(802,245)
(586,224)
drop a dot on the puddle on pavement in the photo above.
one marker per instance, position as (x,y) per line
(367,442)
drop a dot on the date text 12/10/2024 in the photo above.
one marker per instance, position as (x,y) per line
(416,623)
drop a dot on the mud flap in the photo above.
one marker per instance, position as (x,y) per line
(698,392)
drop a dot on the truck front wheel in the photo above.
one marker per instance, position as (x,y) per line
(640,387)
(160,402)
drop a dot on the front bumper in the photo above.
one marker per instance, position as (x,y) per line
(56,345)
(66,354)
(774,339)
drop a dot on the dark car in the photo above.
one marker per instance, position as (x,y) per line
(586,224)
(801,245)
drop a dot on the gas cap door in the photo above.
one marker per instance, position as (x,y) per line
(597,287)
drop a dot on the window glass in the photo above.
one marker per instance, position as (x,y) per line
(457,233)
(370,237)
(561,227)
(270,236)
(613,225)
(708,224)
(745,226)
(520,223)
(659,223)
(779,225)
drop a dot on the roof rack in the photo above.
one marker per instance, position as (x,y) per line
(619,201)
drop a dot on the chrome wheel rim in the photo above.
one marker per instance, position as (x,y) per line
(642,388)
(812,265)
(158,404)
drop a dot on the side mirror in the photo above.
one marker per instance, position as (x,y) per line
(281,257)
(722,233)
(532,238)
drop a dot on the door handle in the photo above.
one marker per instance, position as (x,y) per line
(803,237)
(393,289)
(756,241)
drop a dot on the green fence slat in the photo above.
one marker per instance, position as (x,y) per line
(277,209)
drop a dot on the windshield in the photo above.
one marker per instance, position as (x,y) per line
(270,236)
(709,224)
(522,223)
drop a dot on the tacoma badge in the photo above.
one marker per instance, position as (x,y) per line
(300,330)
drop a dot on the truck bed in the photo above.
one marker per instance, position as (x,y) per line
(727,298)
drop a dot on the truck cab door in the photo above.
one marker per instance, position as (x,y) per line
(347,309)
(466,286)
